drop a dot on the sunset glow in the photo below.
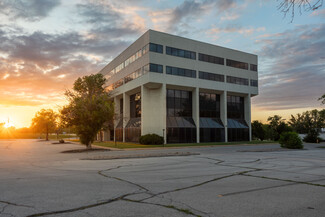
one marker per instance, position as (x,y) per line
(45,48)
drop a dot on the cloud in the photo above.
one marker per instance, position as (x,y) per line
(43,65)
(30,10)
(233,28)
(293,68)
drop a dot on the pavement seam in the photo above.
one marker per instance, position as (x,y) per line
(288,180)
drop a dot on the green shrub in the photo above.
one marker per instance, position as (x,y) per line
(290,140)
(151,139)
(312,137)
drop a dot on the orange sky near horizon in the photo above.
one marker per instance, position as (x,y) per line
(21,116)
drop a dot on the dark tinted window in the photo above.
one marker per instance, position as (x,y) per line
(135,105)
(179,103)
(235,107)
(180,72)
(211,76)
(156,48)
(209,105)
(254,83)
(253,67)
(180,53)
(211,59)
(237,64)
(236,80)
(156,68)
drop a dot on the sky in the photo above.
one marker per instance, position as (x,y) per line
(45,45)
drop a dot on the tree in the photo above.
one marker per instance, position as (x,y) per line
(290,6)
(309,123)
(322,99)
(45,121)
(277,126)
(258,130)
(89,107)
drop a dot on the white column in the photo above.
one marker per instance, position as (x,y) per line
(196,111)
(223,112)
(164,111)
(247,102)
(126,112)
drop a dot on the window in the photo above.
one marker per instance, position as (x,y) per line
(180,53)
(156,68)
(135,105)
(180,125)
(236,80)
(237,64)
(156,48)
(179,103)
(209,105)
(211,76)
(180,72)
(253,67)
(235,107)
(254,83)
(211,59)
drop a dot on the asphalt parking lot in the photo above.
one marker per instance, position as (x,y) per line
(36,179)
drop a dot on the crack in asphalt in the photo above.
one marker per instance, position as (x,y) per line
(186,211)
(81,207)
(15,204)
(288,180)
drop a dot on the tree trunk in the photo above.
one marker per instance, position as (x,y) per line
(89,145)
(47,134)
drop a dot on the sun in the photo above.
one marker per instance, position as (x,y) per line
(8,124)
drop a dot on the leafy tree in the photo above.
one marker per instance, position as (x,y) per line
(290,6)
(89,107)
(258,131)
(45,121)
(322,99)
(310,123)
(277,127)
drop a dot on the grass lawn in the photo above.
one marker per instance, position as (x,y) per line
(124,145)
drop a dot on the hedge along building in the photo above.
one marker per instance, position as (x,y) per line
(181,89)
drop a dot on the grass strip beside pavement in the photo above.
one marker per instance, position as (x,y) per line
(126,145)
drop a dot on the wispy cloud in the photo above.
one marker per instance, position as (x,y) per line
(294,72)
(30,10)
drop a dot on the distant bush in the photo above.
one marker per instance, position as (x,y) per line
(290,140)
(151,139)
(312,137)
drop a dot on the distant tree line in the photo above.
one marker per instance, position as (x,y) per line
(309,123)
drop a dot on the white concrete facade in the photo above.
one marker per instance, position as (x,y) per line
(153,85)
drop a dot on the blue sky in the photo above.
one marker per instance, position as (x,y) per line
(47,44)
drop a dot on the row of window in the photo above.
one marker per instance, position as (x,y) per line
(130,60)
(236,80)
(180,53)
(237,64)
(180,72)
(211,59)
(211,76)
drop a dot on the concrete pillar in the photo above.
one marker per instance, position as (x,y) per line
(116,114)
(164,110)
(153,109)
(126,112)
(223,112)
(247,103)
(196,111)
